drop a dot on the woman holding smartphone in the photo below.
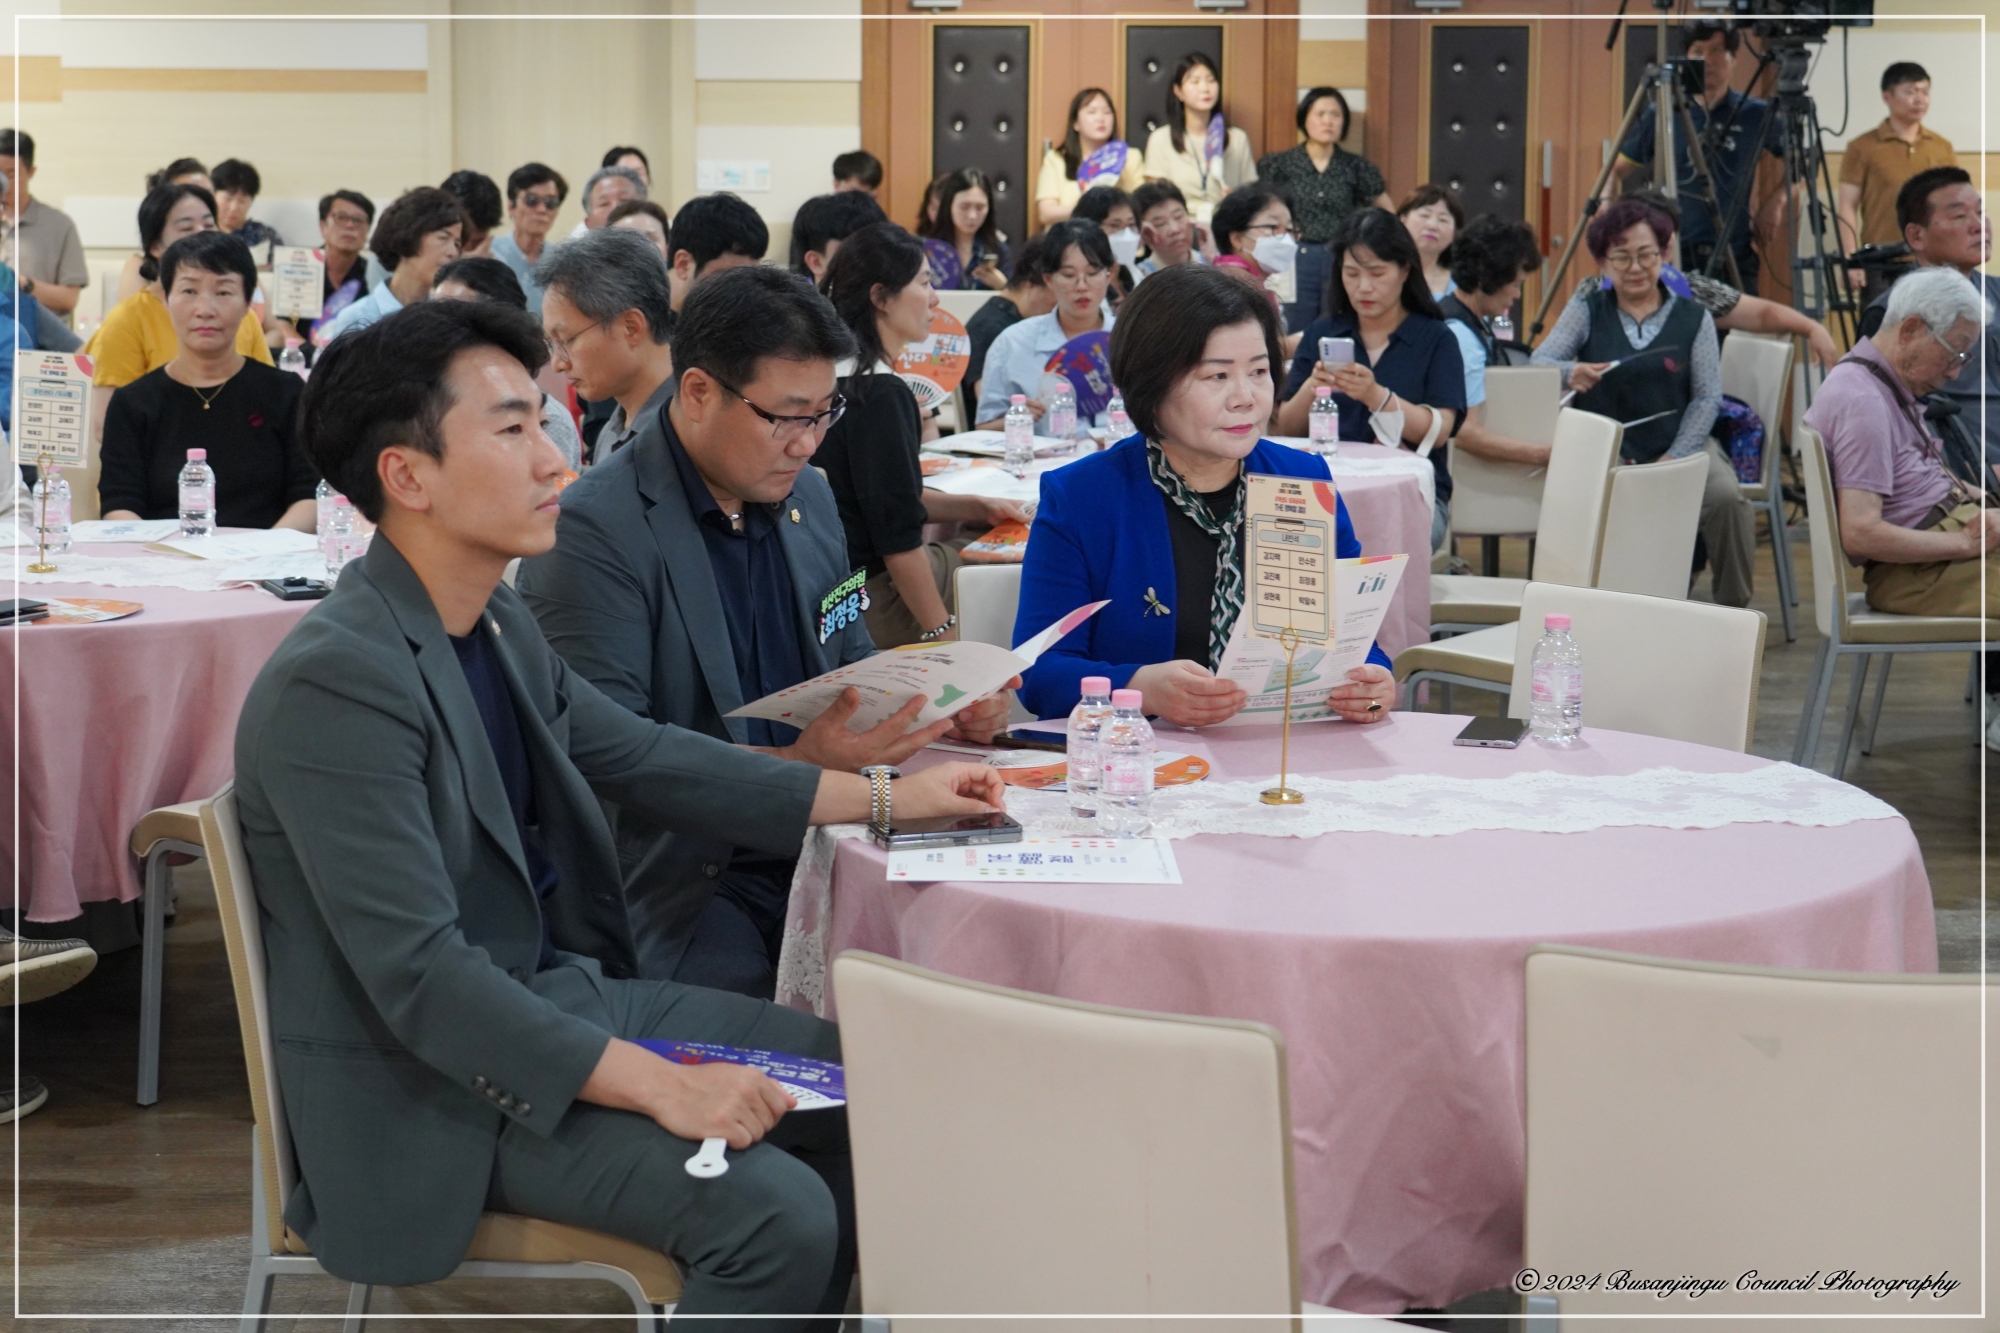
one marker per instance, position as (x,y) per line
(1385,350)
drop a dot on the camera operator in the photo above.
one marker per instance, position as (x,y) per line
(1944,223)
(1877,165)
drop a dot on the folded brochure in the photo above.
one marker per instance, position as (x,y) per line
(1363,588)
(949,676)
(816,1084)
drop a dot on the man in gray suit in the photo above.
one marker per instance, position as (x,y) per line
(449,961)
(703,567)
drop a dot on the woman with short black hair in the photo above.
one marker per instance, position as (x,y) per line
(209,396)
(880,284)
(960,235)
(416,236)
(1434,218)
(1405,386)
(1077,272)
(1155,523)
(1326,185)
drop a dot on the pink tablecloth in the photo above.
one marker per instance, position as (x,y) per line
(118,718)
(1393,967)
(1391,517)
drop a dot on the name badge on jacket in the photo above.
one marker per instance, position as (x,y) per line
(843,605)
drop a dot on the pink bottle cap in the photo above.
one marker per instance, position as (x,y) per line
(1127,699)
(342,502)
(1097,684)
(197,455)
(1556,621)
(1322,391)
(295,342)
(1018,399)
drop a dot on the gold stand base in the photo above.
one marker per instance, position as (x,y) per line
(40,567)
(1281,796)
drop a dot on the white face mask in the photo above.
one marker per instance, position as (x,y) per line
(1124,246)
(1275,254)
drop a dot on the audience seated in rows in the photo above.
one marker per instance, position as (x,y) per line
(1921,535)
(1325,185)
(1077,272)
(535,193)
(1490,260)
(1196,148)
(1090,154)
(961,236)
(1669,393)
(606,312)
(1406,385)
(823,222)
(1166,231)
(181,171)
(607,188)
(344,219)
(237,185)
(42,243)
(483,278)
(1111,209)
(417,235)
(713,232)
(648,219)
(1155,523)
(452,968)
(702,567)
(1434,218)
(880,286)
(480,198)
(1025,296)
(1254,237)
(210,396)
(857,170)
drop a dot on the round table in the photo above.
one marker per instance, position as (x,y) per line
(118,718)
(1393,965)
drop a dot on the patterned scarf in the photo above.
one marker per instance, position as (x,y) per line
(1227,602)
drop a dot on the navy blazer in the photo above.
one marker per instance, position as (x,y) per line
(1101,532)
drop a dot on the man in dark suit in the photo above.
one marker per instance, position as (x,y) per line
(450,964)
(703,567)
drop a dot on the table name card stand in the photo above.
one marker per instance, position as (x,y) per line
(1283,794)
(42,563)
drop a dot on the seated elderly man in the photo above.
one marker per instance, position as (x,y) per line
(1919,533)
(703,566)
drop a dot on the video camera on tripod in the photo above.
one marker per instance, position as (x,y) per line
(1802,20)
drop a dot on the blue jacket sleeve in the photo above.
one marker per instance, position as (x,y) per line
(1056,578)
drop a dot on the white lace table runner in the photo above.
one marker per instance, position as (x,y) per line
(1413,804)
(173,571)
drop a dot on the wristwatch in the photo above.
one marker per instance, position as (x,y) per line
(879,777)
(27,286)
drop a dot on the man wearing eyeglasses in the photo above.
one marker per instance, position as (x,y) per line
(535,193)
(703,566)
(607,312)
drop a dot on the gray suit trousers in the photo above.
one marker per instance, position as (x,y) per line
(773,1236)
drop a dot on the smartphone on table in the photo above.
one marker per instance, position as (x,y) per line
(1493,733)
(948,831)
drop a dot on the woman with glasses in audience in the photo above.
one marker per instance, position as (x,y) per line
(1078,259)
(1197,149)
(1326,185)
(1434,219)
(418,235)
(138,336)
(1405,386)
(483,278)
(535,194)
(1091,154)
(1155,523)
(880,283)
(964,244)
(1255,240)
(211,396)
(1639,354)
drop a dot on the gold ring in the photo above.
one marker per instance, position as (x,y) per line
(1374,706)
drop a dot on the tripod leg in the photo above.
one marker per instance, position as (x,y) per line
(1705,184)
(1553,288)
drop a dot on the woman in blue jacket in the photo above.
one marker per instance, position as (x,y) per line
(1155,523)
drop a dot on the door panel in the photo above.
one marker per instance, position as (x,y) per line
(979,100)
(1151,54)
(1479,117)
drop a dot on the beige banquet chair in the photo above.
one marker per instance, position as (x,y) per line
(1567,535)
(965,304)
(1018,1154)
(1650,526)
(1490,500)
(1756,369)
(1848,628)
(504,1246)
(987,598)
(1707,1120)
(168,831)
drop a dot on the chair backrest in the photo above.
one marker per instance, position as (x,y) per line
(243,938)
(1829,562)
(1021,1154)
(1806,377)
(1573,499)
(988,596)
(964,304)
(1522,403)
(1683,670)
(1758,369)
(1650,525)
(1708,1119)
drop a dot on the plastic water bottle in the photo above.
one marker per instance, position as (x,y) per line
(1115,417)
(1323,423)
(1062,413)
(1086,764)
(1555,717)
(1020,431)
(1125,793)
(292,360)
(51,514)
(339,542)
(197,496)
(1503,327)
(323,497)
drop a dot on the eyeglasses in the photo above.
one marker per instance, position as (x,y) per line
(1272,229)
(559,348)
(786,429)
(1618,259)
(548,201)
(1958,358)
(347,219)
(1071,278)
